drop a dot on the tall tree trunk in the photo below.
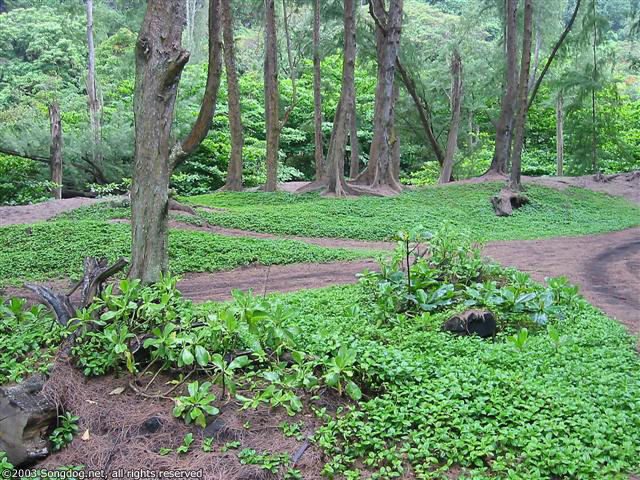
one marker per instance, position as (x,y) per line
(317,93)
(594,133)
(341,122)
(56,149)
(523,97)
(456,101)
(507,108)
(536,59)
(234,172)
(95,104)
(192,6)
(271,96)
(560,134)
(379,173)
(354,158)
(423,111)
(160,60)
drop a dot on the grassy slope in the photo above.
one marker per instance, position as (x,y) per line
(552,213)
(568,409)
(56,249)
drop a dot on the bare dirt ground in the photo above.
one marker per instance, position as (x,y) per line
(606,267)
(202,287)
(42,211)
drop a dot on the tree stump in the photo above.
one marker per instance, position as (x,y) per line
(472,322)
(506,200)
(96,272)
(25,416)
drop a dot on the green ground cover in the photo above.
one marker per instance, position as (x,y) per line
(57,249)
(552,212)
(556,394)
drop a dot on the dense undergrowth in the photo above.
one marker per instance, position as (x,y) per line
(573,211)
(57,249)
(556,394)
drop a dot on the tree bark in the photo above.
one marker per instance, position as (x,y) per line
(507,108)
(341,122)
(379,174)
(354,158)
(160,60)
(560,134)
(523,96)
(56,149)
(271,96)
(423,111)
(93,100)
(234,172)
(456,100)
(317,93)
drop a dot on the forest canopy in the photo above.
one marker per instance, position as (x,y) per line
(44,60)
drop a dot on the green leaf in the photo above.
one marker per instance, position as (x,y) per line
(353,390)
(202,356)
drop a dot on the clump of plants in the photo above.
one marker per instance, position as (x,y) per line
(29,336)
(432,273)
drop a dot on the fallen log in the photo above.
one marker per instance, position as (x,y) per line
(25,417)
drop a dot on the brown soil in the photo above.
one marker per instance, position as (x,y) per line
(202,287)
(39,212)
(606,267)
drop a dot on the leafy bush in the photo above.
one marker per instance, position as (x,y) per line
(17,182)
(29,336)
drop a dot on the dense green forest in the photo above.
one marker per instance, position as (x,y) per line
(44,60)
(320,239)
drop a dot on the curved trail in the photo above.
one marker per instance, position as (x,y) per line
(605,266)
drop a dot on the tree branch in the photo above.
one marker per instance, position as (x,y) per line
(36,158)
(556,47)
(201,127)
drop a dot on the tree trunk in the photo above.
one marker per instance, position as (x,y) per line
(536,59)
(456,100)
(354,158)
(317,93)
(560,134)
(271,96)
(192,6)
(160,60)
(234,172)
(93,100)
(523,97)
(341,122)
(379,172)
(423,112)
(56,149)
(507,108)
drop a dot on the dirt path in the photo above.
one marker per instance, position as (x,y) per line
(606,267)
(39,212)
(202,287)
